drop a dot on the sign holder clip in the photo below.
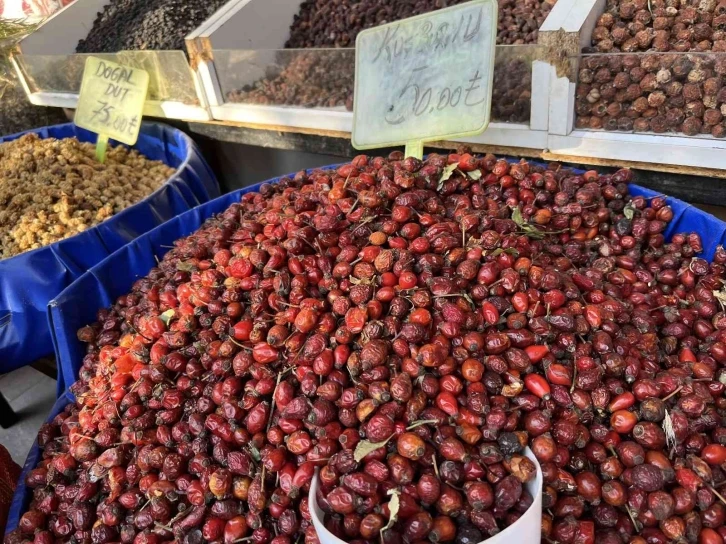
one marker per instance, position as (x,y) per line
(415,149)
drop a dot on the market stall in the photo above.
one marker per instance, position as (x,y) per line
(431,340)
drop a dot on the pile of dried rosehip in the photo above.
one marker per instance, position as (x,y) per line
(406,327)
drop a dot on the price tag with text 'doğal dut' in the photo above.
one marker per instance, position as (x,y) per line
(425,78)
(111,102)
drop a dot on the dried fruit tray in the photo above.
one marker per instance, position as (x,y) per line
(51,71)
(29,280)
(638,106)
(239,51)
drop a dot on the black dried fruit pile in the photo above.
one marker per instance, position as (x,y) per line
(512,92)
(321,23)
(307,79)
(133,25)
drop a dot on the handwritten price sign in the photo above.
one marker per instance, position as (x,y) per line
(425,78)
(111,102)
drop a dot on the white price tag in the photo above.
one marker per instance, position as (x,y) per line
(425,78)
(111,102)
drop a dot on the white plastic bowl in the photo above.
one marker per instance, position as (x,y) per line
(527,529)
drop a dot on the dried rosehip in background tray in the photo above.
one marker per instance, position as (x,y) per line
(324,79)
(673,84)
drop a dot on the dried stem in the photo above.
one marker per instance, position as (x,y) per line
(720,497)
(632,518)
(674,393)
(272,403)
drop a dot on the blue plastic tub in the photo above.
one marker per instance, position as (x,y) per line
(30,280)
(77,305)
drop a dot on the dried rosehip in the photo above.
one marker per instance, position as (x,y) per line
(407,336)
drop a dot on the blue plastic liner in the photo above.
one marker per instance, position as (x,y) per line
(22,496)
(30,280)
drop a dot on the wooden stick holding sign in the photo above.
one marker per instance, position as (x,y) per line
(425,78)
(111,102)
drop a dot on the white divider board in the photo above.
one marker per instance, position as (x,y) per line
(509,135)
(207,83)
(265,24)
(324,119)
(165,109)
(576,18)
(60,34)
(339,120)
(673,150)
(539,106)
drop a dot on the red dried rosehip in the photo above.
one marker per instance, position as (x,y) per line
(558,374)
(31,521)
(450,501)
(536,353)
(714,454)
(623,421)
(588,486)
(220,483)
(479,495)
(213,528)
(417,526)
(537,385)
(443,530)
(709,536)
(507,492)
(647,477)
(342,500)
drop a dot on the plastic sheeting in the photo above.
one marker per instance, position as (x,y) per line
(30,280)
